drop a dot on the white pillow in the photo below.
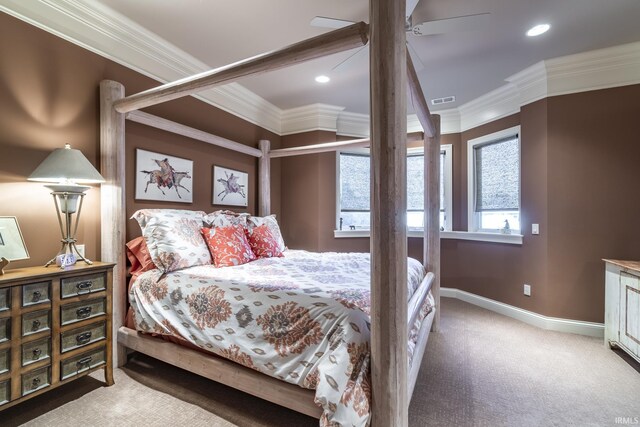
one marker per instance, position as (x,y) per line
(174,237)
(225,218)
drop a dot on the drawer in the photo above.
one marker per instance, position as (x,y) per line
(82,336)
(5,299)
(35,322)
(5,361)
(81,285)
(81,363)
(36,380)
(5,328)
(5,392)
(72,313)
(36,351)
(35,293)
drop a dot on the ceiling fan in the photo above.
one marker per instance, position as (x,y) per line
(454,24)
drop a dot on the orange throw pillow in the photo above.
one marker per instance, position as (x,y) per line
(263,243)
(228,245)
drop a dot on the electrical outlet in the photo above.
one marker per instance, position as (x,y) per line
(80,249)
(527,290)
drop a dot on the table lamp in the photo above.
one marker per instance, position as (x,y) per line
(67,168)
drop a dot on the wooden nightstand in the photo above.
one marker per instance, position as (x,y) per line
(55,326)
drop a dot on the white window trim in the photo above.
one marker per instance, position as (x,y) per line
(512,239)
(448,188)
(472,216)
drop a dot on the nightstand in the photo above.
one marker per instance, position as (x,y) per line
(55,326)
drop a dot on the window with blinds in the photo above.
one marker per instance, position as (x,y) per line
(495,187)
(354,186)
(497,172)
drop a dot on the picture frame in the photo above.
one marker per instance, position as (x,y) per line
(230,187)
(164,178)
(12,246)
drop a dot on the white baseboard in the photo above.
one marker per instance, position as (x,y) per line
(551,323)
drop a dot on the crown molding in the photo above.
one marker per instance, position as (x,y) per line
(107,33)
(310,117)
(496,104)
(594,70)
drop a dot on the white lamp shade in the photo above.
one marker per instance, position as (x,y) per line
(66,165)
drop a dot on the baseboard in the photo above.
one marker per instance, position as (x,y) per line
(551,323)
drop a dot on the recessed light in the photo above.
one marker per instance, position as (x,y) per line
(538,29)
(323,79)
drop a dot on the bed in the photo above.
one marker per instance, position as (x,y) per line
(302,318)
(392,320)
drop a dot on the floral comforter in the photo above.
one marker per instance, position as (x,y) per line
(303,318)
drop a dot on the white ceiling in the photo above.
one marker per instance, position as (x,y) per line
(466,64)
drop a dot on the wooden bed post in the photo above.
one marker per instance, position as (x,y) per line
(264,178)
(112,203)
(431,244)
(388,213)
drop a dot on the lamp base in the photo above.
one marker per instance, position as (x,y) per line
(68,250)
(3,264)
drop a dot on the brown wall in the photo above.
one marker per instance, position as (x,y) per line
(49,97)
(594,204)
(579,172)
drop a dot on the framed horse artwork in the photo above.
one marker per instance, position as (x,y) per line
(163,178)
(230,187)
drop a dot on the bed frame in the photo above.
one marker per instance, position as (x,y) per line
(391,70)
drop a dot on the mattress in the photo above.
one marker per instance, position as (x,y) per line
(303,318)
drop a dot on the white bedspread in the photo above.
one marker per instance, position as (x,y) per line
(303,318)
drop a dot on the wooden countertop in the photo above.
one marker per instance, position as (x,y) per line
(629,265)
(51,271)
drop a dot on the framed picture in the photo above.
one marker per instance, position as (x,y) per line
(12,245)
(230,187)
(163,178)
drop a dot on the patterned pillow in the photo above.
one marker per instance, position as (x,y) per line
(228,245)
(173,238)
(225,218)
(262,242)
(272,224)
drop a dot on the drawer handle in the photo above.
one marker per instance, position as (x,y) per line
(83,338)
(83,312)
(35,383)
(36,353)
(84,286)
(35,325)
(36,296)
(84,362)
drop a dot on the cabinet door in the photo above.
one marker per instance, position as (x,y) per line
(630,312)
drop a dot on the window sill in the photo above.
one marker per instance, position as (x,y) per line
(512,239)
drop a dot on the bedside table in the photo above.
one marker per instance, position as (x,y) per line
(55,326)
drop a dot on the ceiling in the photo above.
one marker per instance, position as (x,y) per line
(464,64)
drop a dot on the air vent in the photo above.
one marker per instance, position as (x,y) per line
(445,100)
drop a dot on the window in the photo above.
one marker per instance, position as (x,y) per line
(494,182)
(354,191)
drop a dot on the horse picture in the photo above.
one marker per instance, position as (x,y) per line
(163,178)
(230,187)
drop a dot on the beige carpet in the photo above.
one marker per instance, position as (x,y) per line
(482,369)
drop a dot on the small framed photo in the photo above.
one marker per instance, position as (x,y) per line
(163,178)
(12,245)
(230,187)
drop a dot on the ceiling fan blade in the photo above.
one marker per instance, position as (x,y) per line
(411,6)
(324,22)
(450,25)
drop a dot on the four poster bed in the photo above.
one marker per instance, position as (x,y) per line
(396,316)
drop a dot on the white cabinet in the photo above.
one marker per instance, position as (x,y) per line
(622,306)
